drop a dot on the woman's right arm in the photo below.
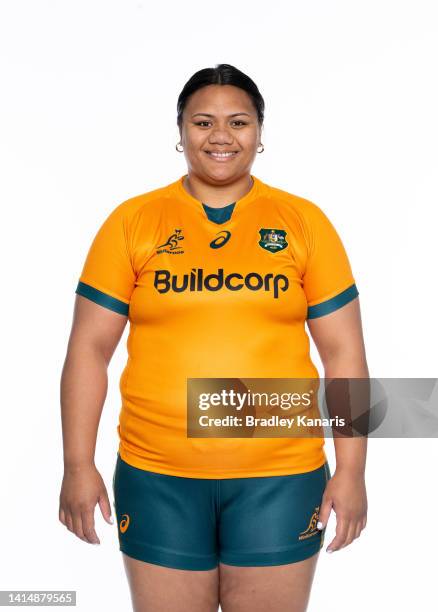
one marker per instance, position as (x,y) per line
(94,336)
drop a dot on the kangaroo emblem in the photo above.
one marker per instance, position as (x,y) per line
(311,527)
(172,241)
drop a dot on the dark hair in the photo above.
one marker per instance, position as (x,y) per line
(221,74)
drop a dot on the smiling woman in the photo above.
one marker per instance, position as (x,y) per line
(207,520)
(220,127)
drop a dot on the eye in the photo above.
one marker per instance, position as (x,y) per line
(203,123)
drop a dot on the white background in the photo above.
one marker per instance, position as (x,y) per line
(88,119)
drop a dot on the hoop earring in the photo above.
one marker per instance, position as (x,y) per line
(176,147)
(262,149)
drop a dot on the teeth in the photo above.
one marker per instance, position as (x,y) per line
(222,154)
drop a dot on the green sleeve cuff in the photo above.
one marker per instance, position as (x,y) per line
(319,310)
(101,298)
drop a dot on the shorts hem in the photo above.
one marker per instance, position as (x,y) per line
(166,559)
(292,555)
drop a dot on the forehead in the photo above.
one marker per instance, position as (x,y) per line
(217,99)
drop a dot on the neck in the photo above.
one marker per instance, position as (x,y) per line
(217,195)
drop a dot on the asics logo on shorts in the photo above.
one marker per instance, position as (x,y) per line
(311,529)
(164,281)
(124,523)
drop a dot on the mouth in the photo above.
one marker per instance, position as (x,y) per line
(221,155)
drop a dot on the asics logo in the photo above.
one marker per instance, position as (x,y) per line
(164,281)
(124,523)
(221,239)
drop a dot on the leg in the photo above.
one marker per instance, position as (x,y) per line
(167,534)
(156,588)
(279,588)
(269,542)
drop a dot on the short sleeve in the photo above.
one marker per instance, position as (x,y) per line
(107,276)
(328,280)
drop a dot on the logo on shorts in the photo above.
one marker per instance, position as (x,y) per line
(124,523)
(272,240)
(171,244)
(311,529)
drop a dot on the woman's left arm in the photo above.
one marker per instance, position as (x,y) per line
(339,339)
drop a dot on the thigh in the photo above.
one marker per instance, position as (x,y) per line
(166,520)
(269,543)
(279,588)
(155,588)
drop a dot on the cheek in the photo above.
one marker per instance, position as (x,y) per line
(193,140)
(249,141)
(193,151)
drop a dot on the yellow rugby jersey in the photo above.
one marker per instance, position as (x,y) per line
(276,262)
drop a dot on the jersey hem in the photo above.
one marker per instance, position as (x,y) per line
(142,464)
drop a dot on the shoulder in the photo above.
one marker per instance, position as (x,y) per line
(134,206)
(297,209)
(293,202)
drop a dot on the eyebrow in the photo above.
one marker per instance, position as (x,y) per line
(232,115)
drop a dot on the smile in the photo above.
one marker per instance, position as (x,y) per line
(221,155)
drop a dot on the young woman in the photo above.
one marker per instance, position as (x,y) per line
(217,272)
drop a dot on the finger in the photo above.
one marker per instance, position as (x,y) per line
(341,533)
(358,529)
(105,507)
(88,527)
(69,520)
(62,516)
(324,512)
(351,534)
(77,524)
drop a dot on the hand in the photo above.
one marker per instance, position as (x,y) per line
(346,494)
(82,488)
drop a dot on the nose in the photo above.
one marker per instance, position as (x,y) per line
(220,136)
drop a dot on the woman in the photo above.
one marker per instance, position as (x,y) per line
(218,273)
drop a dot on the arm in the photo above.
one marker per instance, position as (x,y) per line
(95,334)
(339,339)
